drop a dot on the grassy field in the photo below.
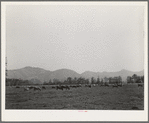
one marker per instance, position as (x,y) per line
(95,98)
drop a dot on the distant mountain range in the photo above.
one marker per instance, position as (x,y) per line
(39,75)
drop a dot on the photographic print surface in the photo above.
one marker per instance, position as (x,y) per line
(75,57)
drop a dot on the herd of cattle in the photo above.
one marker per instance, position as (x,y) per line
(68,87)
(27,88)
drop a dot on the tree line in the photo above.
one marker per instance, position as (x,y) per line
(130,79)
(135,79)
(75,80)
(14,82)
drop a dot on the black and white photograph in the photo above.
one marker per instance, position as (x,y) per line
(83,58)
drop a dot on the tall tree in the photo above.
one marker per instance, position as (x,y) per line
(87,81)
(69,80)
(120,79)
(75,80)
(92,80)
(98,80)
(134,76)
(129,79)
(142,78)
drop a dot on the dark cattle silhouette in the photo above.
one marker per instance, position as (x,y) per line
(26,89)
(106,84)
(31,87)
(102,84)
(59,88)
(66,87)
(88,86)
(120,85)
(80,85)
(77,85)
(53,86)
(140,85)
(37,88)
(115,85)
(74,86)
(43,87)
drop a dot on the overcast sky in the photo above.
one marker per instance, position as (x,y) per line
(81,38)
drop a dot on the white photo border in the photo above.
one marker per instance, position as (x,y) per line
(73,115)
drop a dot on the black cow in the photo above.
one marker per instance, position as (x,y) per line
(77,85)
(80,85)
(74,86)
(88,86)
(43,87)
(53,86)
(31,87)
(140,85)
(17,86)
(115,85)
(106,84)
(59,87)
(26,89)
(66,87)
(37,88)
(102,84)
(120,85)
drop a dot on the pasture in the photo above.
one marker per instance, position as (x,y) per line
(128,97)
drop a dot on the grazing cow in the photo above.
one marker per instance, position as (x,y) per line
(43,87)
(17,86)
(66,87)
(37,88)
(106,84)
(26,89)
(53,86)
(102,85)
(62,87)
(74,86)
(77,85)
(115,85)
(120,85)
(140,85)
(59,87)
(88,86)
(80,85)
(31,87)
(95,85)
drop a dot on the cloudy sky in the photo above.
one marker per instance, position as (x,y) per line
(78,37)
